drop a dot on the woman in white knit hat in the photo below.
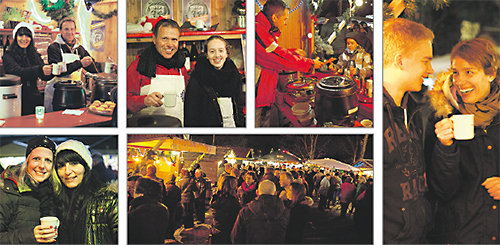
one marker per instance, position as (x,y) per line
(23,60)
(87,207)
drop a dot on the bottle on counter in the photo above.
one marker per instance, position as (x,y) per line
(193,54)
(185,51)
(1,47)
(7,44)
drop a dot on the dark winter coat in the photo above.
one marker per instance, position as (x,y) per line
(19,209)
(407,212)
(187,186)
(299,215)
(465,213)
(264,220)
(96,222)
(201,188)
(206,84)
(172,198)
(148,221)
(29,68)
(55,56)
(225,210)
(247,193)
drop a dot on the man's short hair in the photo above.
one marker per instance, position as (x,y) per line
(166,23)
(66,19)
(267,187)
(274,7)
(148,187)
(287,174)
(401,36)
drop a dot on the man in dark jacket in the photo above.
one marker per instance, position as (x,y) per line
(263,220)
(200,195)
(407,61)
(148,218)
(172,200)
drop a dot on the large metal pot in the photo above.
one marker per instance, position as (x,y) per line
(68,95)
(102,87)
(10,96)
(336,101)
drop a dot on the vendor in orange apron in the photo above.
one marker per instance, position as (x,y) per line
(70,55)
(156,80)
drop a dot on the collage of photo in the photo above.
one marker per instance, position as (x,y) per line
(250,122)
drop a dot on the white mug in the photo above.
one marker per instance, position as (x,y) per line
(463,126)
(55,69)
(50,221)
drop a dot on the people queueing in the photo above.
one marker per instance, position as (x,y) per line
(148,218)
(407,61)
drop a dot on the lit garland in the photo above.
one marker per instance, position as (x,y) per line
(58,10)
(411,7)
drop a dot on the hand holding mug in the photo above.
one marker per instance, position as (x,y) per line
(154,99)
(444,131)
(86,61)
(47,69)
(45,233)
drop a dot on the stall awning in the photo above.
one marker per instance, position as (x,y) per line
(168,143)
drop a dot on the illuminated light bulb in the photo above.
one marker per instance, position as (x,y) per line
(359,3)
(53,1)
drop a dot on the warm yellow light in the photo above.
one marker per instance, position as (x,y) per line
(359,3)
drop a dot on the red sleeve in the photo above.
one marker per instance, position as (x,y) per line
(135,102)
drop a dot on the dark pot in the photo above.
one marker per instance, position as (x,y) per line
(101,89)
(336,101)
(68,95)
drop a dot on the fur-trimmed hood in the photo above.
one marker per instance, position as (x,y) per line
(443,95)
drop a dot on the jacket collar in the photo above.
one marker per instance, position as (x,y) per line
(12,173)
(60,41)
(264,21)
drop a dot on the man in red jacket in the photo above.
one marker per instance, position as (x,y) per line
(157,79)
(270,58)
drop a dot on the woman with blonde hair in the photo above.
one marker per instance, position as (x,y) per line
(463,175)
(26,195)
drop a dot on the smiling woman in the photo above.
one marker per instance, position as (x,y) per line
(87,207)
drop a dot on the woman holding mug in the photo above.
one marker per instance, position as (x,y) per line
(87,207)
(463,175)
(213,95)
(26,195)
(23,60)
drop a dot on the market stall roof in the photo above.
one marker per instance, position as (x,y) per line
(168,143)
(364,164)
(281,156)
(332,163)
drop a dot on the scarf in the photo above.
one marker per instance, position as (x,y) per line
(484,111)
(223,81)
(247,188)
(150,58)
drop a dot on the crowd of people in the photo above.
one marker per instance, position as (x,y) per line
(249,204)
(57,181)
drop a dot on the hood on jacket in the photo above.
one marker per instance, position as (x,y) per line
(267,207)
(61,41)
(12,173)
(441,96)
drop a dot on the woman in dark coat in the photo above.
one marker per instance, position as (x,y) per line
(226,207)
(26,195)
(23,60)
(464,175)
(86,207)
(214,95)
(299,212)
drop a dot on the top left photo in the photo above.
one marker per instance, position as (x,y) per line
(58,63)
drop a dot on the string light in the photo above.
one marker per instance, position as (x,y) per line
(261,8)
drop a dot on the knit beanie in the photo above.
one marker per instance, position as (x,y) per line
(23,24)
(40,141)
(77,147)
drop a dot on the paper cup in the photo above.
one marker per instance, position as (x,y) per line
(50,221)
(199,24)
(463,126)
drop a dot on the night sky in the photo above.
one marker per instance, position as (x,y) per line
(332,146)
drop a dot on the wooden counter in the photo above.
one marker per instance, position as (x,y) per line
(57,119)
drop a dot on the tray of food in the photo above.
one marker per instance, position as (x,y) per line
(102,108)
